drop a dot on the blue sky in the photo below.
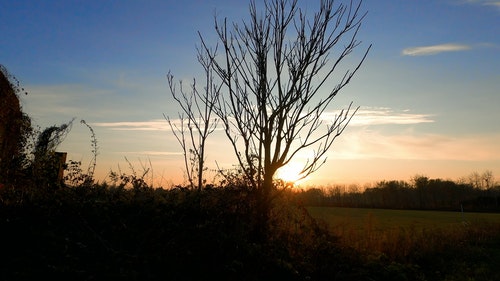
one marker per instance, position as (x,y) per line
(429,90)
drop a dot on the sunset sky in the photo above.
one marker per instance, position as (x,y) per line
(429,91)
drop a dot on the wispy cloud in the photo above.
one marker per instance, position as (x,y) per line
(435,49)
(150,153)
(493,3)
(364,117)
(151,125)
(384,116)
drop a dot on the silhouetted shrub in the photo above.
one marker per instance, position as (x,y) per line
(150,234)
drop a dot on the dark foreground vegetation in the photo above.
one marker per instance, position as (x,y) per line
(103,232)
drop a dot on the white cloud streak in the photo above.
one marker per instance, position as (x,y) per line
(435,49)
(151,125)
(150,153)
(386,116)
(493,3)
(364,117)
(383,116)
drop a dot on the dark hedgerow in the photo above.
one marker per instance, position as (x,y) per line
(106,232)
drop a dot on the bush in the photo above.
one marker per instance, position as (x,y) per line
(148,234)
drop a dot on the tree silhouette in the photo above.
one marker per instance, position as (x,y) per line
(196,121)
(270,88)
(275,69)
(15,127)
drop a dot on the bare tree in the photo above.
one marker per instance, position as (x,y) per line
(195,122)
(275,69)
(488,179)
(485,180)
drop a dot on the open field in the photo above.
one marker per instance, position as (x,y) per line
(465,244)
(383,219)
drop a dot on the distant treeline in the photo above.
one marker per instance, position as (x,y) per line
(421,194)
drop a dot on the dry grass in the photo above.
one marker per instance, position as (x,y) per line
(405,235)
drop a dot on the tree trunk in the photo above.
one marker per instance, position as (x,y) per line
(264,205)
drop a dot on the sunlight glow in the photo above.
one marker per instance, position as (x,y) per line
(290,173)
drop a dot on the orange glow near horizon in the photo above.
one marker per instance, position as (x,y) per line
(167,171)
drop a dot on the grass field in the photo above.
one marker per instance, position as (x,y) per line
(435,244)
(383,220)
(409,235)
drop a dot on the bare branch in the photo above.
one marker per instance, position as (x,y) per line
(196,121)
(273,71)
(275,68)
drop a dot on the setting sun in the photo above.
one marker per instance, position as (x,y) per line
(290,173)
